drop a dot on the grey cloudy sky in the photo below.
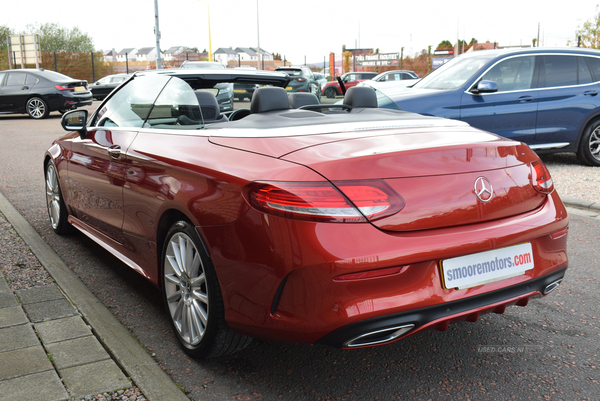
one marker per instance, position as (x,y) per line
(309,28)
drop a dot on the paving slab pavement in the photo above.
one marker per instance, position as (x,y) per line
(58,342)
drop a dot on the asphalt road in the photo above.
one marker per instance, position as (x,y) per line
(548,350)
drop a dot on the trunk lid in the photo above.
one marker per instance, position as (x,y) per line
(435,172)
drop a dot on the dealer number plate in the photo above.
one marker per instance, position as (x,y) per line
(487,267)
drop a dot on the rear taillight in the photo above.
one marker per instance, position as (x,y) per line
(540,177)
(374,198)
(300,79)
(321,201)
(63,88)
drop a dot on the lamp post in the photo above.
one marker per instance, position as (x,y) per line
(210,53)
(258,34)
(157,32)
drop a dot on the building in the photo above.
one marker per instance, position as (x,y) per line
(127,54)
(146,54)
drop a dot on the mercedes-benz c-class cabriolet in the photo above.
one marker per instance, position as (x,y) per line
(349,225)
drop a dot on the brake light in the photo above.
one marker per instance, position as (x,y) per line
(374,198)
(540,177)
(321,201)
(63,88)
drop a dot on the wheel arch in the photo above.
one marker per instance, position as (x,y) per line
(590,120)
(166,221)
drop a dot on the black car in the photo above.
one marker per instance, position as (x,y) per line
(303,80)
(102,87)
(224,90)
(37,92)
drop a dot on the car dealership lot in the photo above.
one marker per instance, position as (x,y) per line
(548,349)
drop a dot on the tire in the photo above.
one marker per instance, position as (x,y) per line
(330,93)
(192,296)
(589,146)
(57,211)
(37,108)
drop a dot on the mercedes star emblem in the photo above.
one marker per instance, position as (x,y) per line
(483,189)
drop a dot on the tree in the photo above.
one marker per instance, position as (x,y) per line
(444,43)
(55,38)
(5,33)
(590,32)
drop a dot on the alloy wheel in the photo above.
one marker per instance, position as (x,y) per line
(36,108)
(53,196)
(186,288)
(594,144)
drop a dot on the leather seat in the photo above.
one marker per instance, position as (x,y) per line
(269,99)
(361,97)
(300,99)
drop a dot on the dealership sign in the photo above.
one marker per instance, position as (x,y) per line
(437,61)
(377,60)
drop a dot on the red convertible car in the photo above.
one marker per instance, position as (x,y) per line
(347,225)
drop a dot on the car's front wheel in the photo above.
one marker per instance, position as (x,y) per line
(37,108)
(193,297)
(57,211)
(589,146)
(330,93)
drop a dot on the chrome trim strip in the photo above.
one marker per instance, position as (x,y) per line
(549,145)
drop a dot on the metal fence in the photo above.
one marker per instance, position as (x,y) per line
(91,66)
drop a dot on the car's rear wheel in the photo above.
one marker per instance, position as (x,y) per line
(193,297)
(589,146)
(57,211)
(37,108)
(330,93)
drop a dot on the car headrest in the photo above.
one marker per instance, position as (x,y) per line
(300,99)
(269,99)
(209,106)
(360,97)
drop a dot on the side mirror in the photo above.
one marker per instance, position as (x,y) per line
(485,87)
(75,120)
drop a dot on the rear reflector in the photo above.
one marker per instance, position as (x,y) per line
(369,274)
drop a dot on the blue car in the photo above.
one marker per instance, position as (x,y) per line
(547,98)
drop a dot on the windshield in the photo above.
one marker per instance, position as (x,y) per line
(454,73)
(292,72)
(206,64)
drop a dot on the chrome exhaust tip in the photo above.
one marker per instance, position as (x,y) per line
(379,336)
(552,286)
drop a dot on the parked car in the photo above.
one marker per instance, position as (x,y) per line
(395,75)
(102,87)
(38,92)
(321,79)
(224,91)
(547,98)
(303,80)
(346,225)
(350,79)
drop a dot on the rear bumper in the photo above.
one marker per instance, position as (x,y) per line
(439,316)
(280,282)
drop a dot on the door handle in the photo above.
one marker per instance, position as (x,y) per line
(525,99)
(590,93)
(114,151)
(25,88)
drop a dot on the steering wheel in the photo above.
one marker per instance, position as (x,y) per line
(239,114)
